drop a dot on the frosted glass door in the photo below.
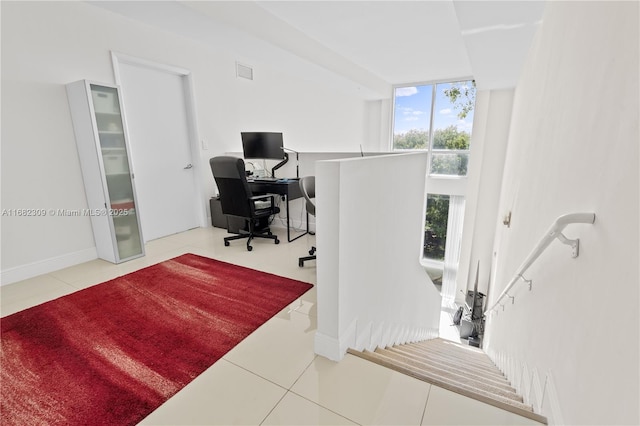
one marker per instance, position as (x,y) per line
(122,208)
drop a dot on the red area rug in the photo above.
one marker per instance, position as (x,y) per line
(114,352)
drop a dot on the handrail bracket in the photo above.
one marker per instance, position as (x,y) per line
(554,232)
(529,282)
(575,244)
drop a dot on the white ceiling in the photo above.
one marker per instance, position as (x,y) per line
(398,41)
(365,46)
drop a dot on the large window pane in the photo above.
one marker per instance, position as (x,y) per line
(435,228)
(437,118)
(452,124)
(449,163)
(412,117)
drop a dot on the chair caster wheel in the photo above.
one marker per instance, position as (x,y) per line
(249,248)
(277,241)
(226,243)
(311,252)
(300,263)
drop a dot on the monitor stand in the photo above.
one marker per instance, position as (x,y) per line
(280,164)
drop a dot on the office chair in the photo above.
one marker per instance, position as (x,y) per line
(237,200)
(308,188)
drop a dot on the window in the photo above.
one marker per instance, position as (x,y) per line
(435,226)
(437,118)
(444,220)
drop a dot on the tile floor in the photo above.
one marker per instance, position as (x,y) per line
(273,377)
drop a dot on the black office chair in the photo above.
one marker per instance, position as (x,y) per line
(308,188)
(237,200)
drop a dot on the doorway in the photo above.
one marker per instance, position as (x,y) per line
(159,113)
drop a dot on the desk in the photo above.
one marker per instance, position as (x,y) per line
(289,188)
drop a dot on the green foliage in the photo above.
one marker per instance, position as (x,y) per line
(413,139)
(450,138)
(462,97)
(449,164)
(447,138)
(435,228)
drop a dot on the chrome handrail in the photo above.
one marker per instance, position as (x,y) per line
(554,232)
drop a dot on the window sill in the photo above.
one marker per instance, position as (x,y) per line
(447,177)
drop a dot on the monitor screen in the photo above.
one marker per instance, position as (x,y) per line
(266,145)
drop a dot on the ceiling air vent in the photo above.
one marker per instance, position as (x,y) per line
(244,71)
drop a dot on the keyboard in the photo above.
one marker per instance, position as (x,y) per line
(265,179)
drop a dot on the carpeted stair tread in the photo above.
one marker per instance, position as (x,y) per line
(454,357)
(438,341)
(453,368)
(489,368)
(486,369)
(464,370)
(504,391)
(450,345)
(443,382)
(453,350)
(453,360)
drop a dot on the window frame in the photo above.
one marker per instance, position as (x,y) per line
(430,150)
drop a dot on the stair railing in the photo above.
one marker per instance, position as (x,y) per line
(554,232)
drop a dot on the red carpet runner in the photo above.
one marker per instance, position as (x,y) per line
(114,352)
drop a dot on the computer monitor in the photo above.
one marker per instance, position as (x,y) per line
(263,145)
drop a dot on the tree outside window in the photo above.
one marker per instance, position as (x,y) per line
(435,227)
(437,118)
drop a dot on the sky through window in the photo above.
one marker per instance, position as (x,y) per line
(413,110)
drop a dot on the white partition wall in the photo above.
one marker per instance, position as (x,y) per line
(304,165)
(372,290)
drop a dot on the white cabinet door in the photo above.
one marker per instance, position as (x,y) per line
(104,157)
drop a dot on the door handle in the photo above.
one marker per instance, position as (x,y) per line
(189,166)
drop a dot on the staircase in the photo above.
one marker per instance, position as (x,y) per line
(462,369)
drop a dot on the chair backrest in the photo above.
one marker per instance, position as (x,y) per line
(231,180)
(308,188)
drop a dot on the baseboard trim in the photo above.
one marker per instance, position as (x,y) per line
(327,346)
(335,348)
(552,401)
(364,337)
(380,335)
(539,393)
(30,270)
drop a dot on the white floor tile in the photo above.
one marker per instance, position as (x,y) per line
(448,408)
(25,294)
(295,410)
(223,395)
(280,350)
(364,392)
(73,274)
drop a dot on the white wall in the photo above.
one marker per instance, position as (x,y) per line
(492,118)
(378,126)
(46,45)
(306,165)
(573,147)
(372,290)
